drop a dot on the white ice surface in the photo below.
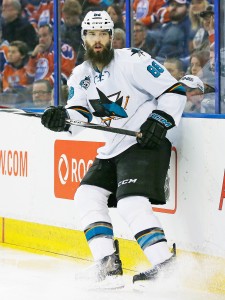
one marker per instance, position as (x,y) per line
(26,276)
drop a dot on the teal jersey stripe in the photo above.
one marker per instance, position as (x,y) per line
(179,88)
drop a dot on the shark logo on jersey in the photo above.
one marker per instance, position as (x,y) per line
(137,51)
(85,83)
(105,108)
(101,76)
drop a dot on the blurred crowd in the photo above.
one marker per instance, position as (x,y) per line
(178,33)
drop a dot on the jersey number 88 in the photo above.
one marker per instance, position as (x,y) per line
(155,69)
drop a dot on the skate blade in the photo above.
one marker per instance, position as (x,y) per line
(110,283)
(142,285)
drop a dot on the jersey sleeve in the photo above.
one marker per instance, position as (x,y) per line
(77,105)
(152,77)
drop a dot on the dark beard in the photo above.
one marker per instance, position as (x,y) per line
(103,57)
(177,18)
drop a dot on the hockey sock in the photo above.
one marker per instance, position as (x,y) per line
(92,206)
(138,214)
(101,247)
(158,253)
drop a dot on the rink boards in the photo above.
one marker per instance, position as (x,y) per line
(40,171)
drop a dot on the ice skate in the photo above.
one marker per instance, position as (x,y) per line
(106,273)
(109,271)
(144,279)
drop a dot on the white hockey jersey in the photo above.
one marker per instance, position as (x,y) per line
(123,95)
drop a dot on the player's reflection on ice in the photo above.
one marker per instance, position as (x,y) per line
(33,276)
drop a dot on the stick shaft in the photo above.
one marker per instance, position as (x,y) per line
(75,122)
(102,128)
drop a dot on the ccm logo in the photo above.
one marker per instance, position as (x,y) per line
(126,181)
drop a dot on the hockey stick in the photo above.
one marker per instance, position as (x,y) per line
(73,122)
(103,128)
(18,111)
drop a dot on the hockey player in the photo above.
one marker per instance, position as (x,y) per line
(128,89)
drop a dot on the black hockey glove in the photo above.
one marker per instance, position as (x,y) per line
(154,129)
(54,118)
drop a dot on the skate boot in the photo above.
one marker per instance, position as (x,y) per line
(110,265)
(153,273)
(108,271)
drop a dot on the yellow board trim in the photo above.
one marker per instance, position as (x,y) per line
(51,240)
(1,230)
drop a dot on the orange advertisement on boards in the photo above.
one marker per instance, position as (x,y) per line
(72,159)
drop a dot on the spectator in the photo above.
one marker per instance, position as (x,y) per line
(41,62)
(195,92)
(15,77)
(28,8)
(198,61)
(174,35)
(208,77)
(115,13)
(15,27)
(163,14)
(199,36)
(4,46)
(71,29)
(175,67)
(140,34)
(119,39)
(44,13)
(146,11)
(42,92)
(208,22)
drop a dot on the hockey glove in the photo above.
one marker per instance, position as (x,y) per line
(54,118)
(154,129)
